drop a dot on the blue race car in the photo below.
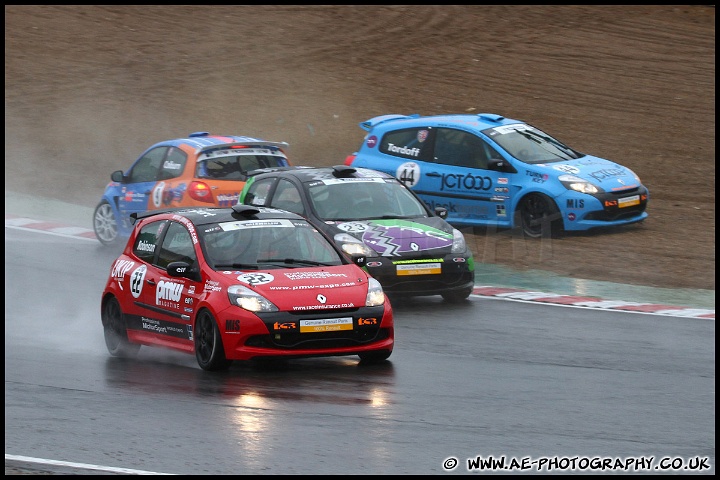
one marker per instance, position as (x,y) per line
(492,171)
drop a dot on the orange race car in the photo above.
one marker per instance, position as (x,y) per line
(201,170)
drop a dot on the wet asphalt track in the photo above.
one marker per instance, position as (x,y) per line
(491,377)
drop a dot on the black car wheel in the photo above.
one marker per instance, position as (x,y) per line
(538,216)
(209,349)
(105,224)
(375,356)
(115,330)
(457,296)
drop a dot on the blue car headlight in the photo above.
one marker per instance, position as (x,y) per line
(571,182)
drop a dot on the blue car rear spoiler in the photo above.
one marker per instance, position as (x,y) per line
(367,125)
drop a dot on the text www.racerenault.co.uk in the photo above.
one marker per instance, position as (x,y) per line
(325,307)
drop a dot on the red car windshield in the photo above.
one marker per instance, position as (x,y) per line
(259,244)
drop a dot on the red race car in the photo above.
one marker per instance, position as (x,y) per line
(242,283)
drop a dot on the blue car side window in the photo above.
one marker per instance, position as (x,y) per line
(410,143)
(147,167)
(460,149)
(173,165)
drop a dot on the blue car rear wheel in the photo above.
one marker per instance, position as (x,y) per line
(105,224)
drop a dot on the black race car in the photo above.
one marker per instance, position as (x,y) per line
(411,250)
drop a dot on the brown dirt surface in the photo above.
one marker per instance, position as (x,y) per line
(87,88)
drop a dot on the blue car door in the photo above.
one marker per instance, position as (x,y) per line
(457,175)
(139,185)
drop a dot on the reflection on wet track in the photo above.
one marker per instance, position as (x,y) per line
(484,377)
